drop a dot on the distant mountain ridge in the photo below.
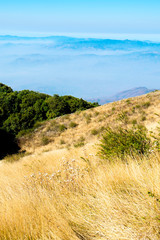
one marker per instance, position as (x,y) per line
(70,63)
(134,92)
(73,42)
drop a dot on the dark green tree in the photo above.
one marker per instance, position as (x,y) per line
(8,144)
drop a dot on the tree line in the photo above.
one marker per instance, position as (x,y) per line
(21,110)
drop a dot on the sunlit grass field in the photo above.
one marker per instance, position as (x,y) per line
(62,190)
(75,195)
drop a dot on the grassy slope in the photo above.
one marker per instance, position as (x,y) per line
(144,109)
(72,194)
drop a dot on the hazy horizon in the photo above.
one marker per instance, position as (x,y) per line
(85,66)
(82,67)
(113,36)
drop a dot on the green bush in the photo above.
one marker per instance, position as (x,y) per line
(143,118)
(96,113)
(123,117)
(80,142)
(62,128)
(45,140)
(73,125)
(94,132)
(120,142)
(134,121)
(128,101)
(138,106)
(15,157)
(37,125)
(133,110)
(87,117)
(62,141)
(146,104)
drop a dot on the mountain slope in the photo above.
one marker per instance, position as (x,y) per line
(85,127)
(68,193)
(64,191)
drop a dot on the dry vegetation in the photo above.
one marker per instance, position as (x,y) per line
(70,193)
(88,126)
(55,197)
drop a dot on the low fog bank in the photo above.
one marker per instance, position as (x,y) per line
(81,67)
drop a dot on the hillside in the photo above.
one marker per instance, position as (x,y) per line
(61,189)
(87,126)
(21,112)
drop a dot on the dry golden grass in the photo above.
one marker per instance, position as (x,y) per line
(61,192)
(67,195)
(91,123)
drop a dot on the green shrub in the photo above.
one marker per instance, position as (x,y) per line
(15,157)
(138,106)
(45,140)
(146,104)
(156,137)
(134,121)
(37,125)
(94,131)
(102,129)
(73,125)
(80,142)
(96,113)
(143,118)
(24,132)
(62,141)
(66,117)
(88,118)
(120,142)
(62,128)
(101,119)
(133,110)
(128,101)
(123,117)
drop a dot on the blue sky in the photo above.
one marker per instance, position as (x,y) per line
(79,71)
(83,16)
